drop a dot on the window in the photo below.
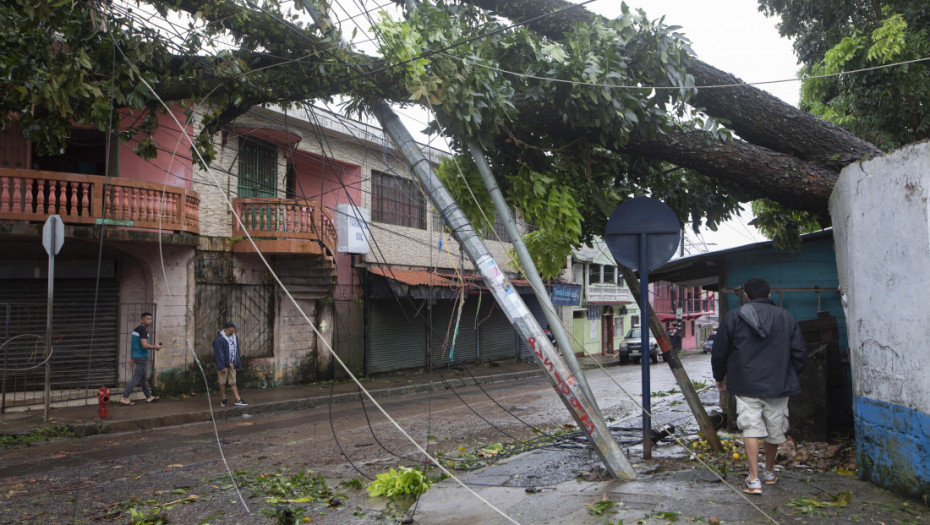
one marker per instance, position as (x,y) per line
(499,231)
(610,274)
(634,320)
(594,274)
(395,200)
(258,162)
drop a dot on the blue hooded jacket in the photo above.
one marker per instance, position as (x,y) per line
(221,352)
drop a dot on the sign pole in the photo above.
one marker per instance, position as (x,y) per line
(53,237)
(645,353)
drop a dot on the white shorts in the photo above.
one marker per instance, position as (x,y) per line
(763,418)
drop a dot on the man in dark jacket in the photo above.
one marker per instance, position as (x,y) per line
(757,356)
(227,357)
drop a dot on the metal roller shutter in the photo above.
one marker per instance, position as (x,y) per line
(445,314)
(397,336)
(84,341)
(497,336)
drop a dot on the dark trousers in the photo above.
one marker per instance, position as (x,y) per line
(139,376)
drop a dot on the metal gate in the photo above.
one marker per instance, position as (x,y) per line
(251,306)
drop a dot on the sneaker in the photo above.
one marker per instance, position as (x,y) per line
(752,486)
(769,478)
(223,403)
(241,403)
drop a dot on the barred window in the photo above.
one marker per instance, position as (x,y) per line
(257,168)
(395,200)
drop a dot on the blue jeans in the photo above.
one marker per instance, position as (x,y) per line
(139,376)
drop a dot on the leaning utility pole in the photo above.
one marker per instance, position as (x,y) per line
(674,363)
(563,381)
(477,154)
(565,384)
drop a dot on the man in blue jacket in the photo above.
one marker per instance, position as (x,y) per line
(227,356)
(758,354)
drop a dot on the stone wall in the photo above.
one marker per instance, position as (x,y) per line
(882,235)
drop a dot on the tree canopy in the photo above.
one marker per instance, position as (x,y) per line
(575,112)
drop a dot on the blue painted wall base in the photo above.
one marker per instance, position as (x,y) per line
(893,447)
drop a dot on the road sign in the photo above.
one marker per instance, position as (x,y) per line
(53,235)
(636,217)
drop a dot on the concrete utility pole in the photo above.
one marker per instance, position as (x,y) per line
(671,357)
(586,413)
(529,267)
(563,381)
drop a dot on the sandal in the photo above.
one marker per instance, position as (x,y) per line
(126,402)
(152,399)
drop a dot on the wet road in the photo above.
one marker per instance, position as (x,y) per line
(349,441)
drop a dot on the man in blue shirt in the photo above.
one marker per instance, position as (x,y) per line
(140,357)
(227,357)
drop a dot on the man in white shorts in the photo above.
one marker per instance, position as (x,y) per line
(758,354)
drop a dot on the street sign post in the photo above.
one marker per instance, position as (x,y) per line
(53,238)
(642,234)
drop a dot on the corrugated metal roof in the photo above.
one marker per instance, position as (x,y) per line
(414,277)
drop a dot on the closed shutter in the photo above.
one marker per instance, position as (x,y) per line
(445,315)
(84,342)
(397,338)
(497,336)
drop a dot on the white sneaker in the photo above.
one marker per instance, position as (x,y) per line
(769,478)
(752,486)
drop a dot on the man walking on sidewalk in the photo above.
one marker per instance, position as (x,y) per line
(139,348)
(227,357)
(758,354)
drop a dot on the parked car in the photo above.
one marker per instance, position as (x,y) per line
(631,345)
(709,342)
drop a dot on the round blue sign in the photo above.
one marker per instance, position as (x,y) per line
(640,217)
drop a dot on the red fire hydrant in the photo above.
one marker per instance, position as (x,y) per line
(103,400)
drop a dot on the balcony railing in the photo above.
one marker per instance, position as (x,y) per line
(285,219)
(33,195)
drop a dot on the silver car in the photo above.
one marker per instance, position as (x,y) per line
(630,347)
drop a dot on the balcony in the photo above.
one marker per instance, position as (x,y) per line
(33,195)
(284,226)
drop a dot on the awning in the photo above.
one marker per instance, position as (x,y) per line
(665,317)
(414,277)
(418,284)
(425,284)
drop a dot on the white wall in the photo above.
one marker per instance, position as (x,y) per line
(882,238)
